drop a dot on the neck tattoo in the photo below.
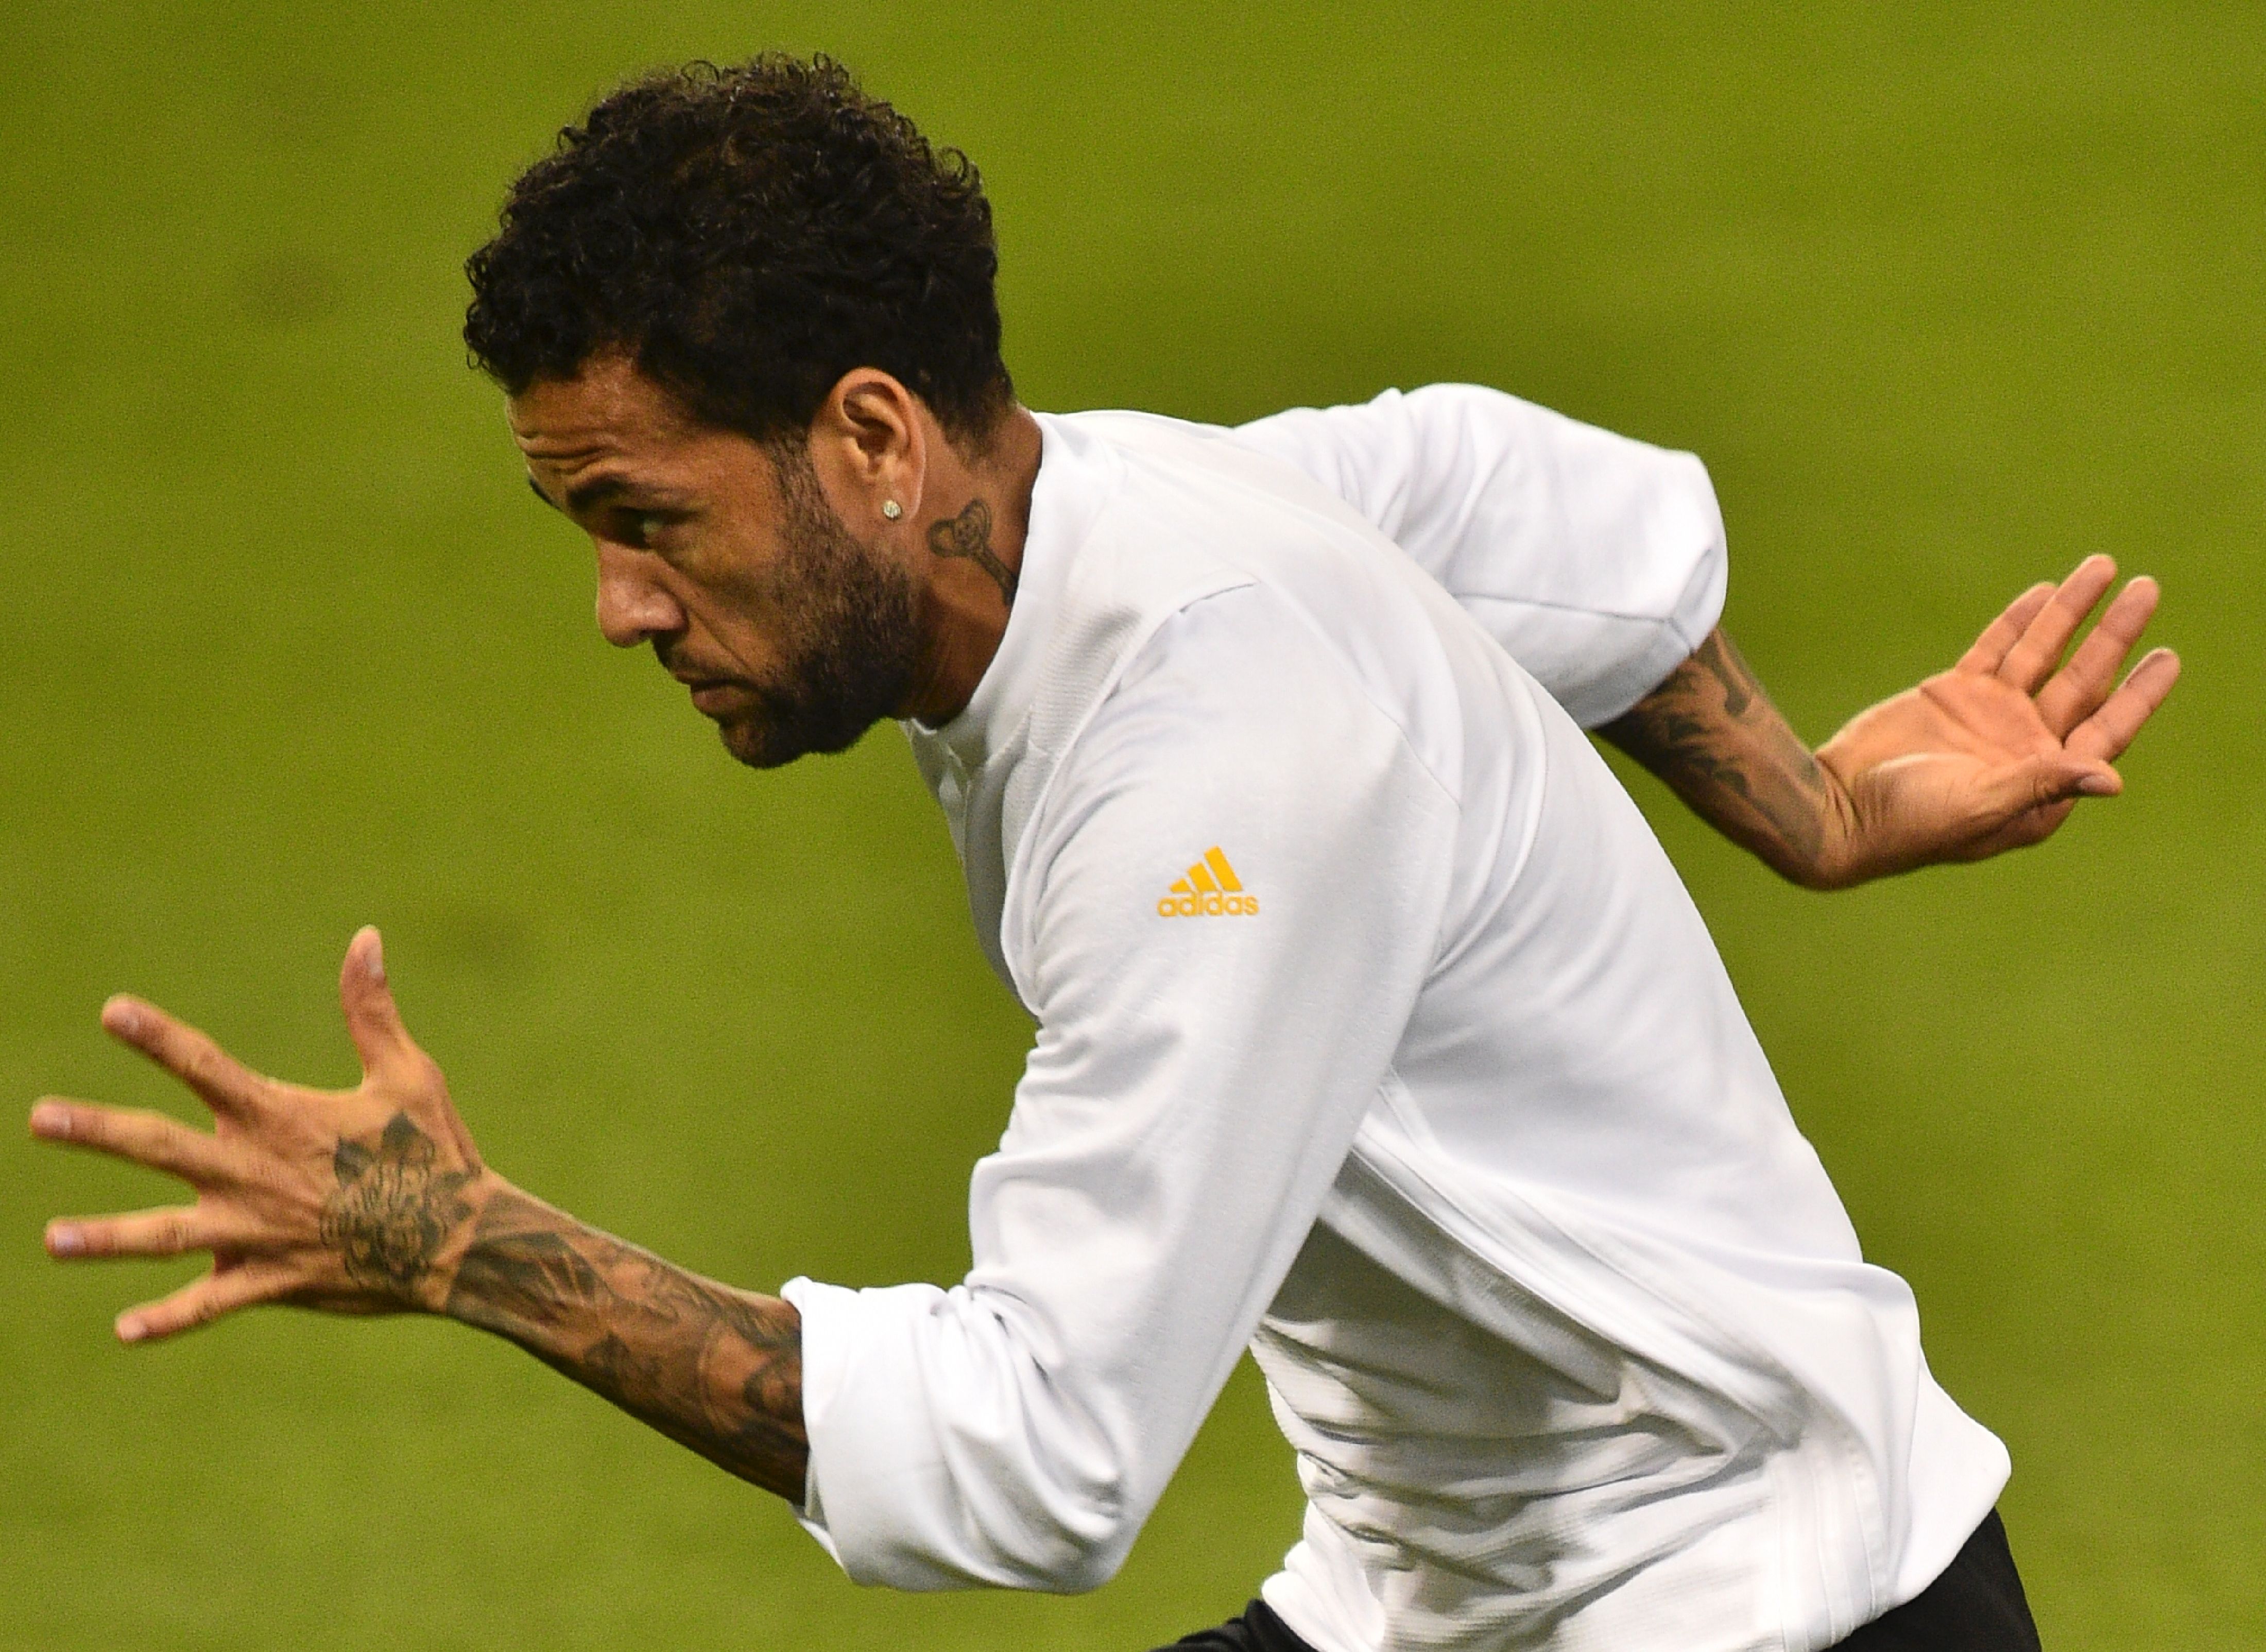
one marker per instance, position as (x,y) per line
(970,535)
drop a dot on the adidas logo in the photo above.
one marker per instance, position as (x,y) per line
(1211,889)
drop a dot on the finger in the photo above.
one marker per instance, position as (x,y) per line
(2035,827)
(372,1017)
(201,1302)
(2103,736)
(2002,634)
(2028,661)
(2051,780)
(145,1138)
(387,1050)
(225,1083)
(2077,690)
(166,1233)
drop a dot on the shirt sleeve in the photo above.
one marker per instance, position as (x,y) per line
(1595,561)
(1221,918)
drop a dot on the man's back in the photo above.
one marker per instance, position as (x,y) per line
(1581,1342)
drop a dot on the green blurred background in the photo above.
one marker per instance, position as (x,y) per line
(1947,297)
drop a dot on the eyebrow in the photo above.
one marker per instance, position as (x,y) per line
(595,493)
(602,489)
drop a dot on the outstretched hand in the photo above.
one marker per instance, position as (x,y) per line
(1994,753)
(356,1201)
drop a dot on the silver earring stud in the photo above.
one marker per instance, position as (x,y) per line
(891,509)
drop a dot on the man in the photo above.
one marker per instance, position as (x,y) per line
(1374,1032)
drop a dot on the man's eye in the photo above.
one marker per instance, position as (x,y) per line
(650,526)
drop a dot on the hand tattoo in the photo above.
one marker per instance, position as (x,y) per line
(392,1212)
(1709,730)
(714,1369)
(970,535)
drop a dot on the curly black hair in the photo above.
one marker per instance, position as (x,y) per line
(748,234)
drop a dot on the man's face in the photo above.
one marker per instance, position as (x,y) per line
(724,554)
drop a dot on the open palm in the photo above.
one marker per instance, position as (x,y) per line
(1994,753)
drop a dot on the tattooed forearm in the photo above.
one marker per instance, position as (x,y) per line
(532,1279)
(1720,657)
(1712,734)
(392,1211)
(970,535)
(717,1369)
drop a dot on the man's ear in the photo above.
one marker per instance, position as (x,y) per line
(869,445)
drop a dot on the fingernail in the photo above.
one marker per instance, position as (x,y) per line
(65,1241)
(2097,785)
(127,1020)
(49,1119)
(132,1330)
(376,962)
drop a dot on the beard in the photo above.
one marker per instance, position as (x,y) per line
(849,622)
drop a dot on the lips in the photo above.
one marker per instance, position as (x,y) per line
(712,695)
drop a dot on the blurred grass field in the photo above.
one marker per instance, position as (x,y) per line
(1947,297)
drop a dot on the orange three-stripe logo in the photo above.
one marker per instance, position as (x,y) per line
(1211,889)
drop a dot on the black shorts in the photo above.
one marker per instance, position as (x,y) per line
(1977,1605)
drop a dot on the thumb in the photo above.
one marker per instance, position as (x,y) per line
(372,1019)
(2040,782)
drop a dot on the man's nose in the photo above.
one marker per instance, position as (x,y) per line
(634,608)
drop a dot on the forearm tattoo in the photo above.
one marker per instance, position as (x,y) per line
(392,1212)
(1712,734)
(714,1369)
(970,535)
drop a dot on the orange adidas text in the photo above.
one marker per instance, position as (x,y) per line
(1213,905)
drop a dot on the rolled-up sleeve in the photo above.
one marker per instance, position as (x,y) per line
(1204,1058)
(1597,561)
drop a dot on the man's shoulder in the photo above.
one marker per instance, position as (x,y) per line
(1183,513)
(1201,549)
(1189,501)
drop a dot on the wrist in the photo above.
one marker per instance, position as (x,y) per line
(1833,860)
(439,1294)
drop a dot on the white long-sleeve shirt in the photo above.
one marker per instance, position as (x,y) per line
(1376,1032)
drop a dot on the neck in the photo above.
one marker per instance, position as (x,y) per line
(972,525)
